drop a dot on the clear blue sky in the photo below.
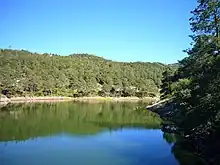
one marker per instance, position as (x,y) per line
(122,30)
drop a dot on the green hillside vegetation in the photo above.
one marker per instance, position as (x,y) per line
(25,73)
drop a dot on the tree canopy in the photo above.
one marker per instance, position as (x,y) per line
(196,83)
(26,73)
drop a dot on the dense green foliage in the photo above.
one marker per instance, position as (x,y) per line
(196,84)
(25,73)
(24,121)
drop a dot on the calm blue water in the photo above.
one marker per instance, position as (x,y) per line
(45,135)
(121,147)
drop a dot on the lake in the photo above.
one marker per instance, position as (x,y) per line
(82,134)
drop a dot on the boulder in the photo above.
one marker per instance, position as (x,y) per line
(3,98)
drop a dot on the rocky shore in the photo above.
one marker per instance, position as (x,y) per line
(4,99)
(146,100)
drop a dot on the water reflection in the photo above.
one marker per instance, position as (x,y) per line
(20,121)
(182,151)
(82,134)
(169,137)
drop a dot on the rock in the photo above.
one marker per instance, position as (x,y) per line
(169,128)
(3,98)
(186,136)
(165,108)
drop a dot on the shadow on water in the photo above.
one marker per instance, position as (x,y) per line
(182,151)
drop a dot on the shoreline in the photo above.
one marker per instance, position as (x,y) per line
(5,100)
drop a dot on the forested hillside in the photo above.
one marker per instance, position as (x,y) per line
(195,86)
(25,73)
